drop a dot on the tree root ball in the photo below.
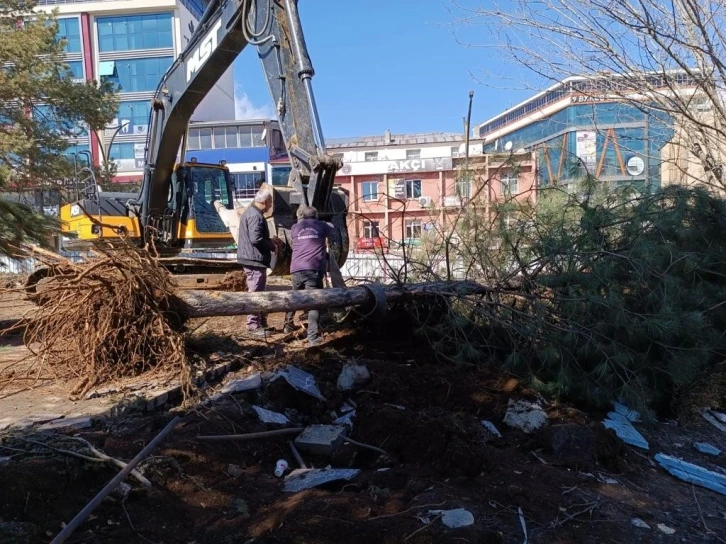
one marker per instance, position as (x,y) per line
(111,317)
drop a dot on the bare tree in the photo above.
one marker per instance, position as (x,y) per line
(664,57)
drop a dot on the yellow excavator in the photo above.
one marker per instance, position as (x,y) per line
(176,207)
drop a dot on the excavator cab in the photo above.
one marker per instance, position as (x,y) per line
(194,189)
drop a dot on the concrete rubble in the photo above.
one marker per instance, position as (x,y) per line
(302,478)
(525,416)
(708,449)
(268,416)
(489,426)
(320,439)
(353,376)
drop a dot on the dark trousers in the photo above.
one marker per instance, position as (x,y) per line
(307,279)
(256,283)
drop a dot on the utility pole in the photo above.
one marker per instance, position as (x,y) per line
(467,129)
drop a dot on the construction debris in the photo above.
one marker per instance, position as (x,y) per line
(301,479)
(454,519)
(489,426)
(625,430)
(525,416)
(239,385)
(299,380)
(716,419)
(353,376)
(631,415)
(637,522)
(706,448)
(693,473)
(321,439)
(665,529)
(268,416)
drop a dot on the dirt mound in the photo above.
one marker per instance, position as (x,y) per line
(234,281)
(455,444)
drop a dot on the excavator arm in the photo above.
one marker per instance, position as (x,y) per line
(225,29)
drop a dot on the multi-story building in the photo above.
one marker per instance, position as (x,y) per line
(596,125)
(251,149)
(131,43)
(401,186)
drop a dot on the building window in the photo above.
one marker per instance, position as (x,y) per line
(121,151)
(133,116)
(413,154)
(205,138)
(413,229)
(510,184)
(371,156)
(281,175)
(454,151)
(135,75)
(220,141)
(247,184)
(76,69)
(193,140)
(369,190)
(463,187)
(135,32)
(251,136)
(69,30)
(371,229)
(230,137)
(413,188)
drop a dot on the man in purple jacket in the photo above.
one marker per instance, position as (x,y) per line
(309,262)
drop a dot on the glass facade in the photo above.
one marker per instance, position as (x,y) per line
(122,151)
(135,75)
(76,68)
(69,29)
(50,119)
(135,112)
(135,32)
(607,140)
(228,137)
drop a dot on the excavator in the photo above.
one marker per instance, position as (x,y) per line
(176,208)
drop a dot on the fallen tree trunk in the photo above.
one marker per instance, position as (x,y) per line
(218,303)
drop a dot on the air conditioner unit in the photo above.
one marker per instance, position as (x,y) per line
(424,201)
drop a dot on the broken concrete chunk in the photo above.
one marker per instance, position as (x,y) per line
(321,439)
(454,519)
(248,383)
(525,416)
(665,529)
(346,419)
(305,478)
(639,523)
(82,422)
(631,415)
(352,377)
(489,426)
(268,416)
(706,448)
(625,430)
(688,472)
(299,380)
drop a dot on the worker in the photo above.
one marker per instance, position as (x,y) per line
(254,252)
(309,262)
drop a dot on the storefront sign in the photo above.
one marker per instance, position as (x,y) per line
(635,166)
(401,166)
(586,148)
(588,99)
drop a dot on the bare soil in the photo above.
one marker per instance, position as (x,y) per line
(425,414)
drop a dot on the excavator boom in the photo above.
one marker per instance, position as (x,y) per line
(226,28)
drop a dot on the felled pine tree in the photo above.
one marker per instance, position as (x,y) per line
(40,107)
(630,304)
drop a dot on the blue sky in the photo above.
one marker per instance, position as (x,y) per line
(390,64)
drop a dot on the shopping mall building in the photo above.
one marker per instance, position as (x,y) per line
(587,125)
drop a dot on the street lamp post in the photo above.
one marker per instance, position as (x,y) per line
(107,148)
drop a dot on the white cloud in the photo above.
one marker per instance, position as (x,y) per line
(245,109)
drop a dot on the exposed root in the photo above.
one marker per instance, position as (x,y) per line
(108,318)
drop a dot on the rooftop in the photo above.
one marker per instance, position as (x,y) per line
(387,139)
